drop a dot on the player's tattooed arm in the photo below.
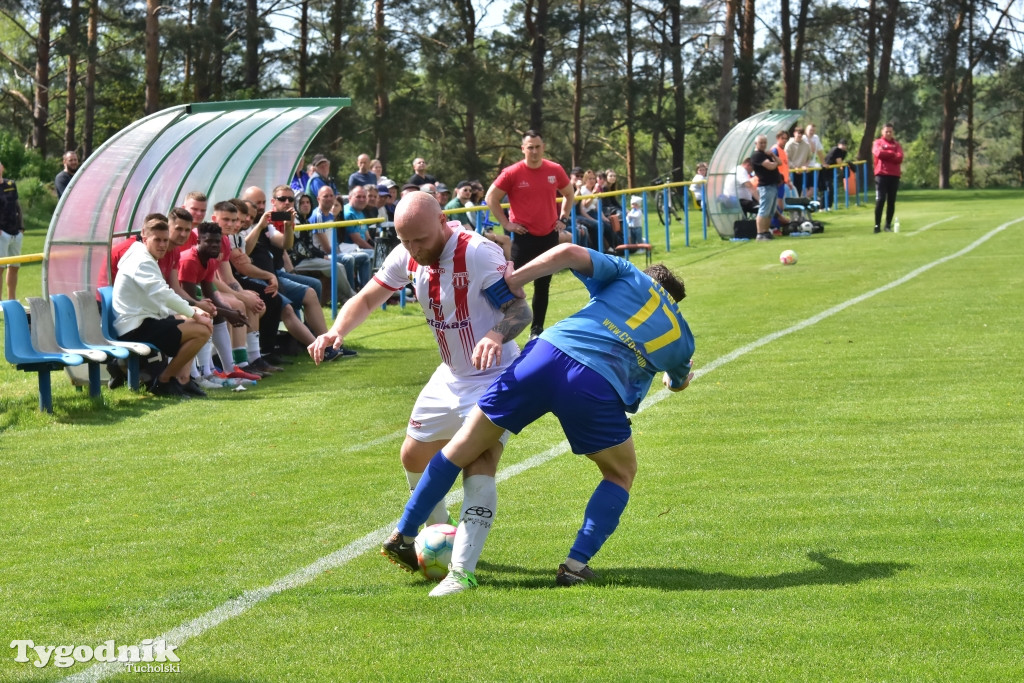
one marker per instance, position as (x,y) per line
(517,316)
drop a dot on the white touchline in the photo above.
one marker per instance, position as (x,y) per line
(932,225)
(249,599)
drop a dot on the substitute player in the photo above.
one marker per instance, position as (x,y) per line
(589,370)
(459,280)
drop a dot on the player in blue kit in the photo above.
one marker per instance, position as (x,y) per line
(589,370)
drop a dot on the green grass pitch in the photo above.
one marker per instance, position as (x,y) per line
(841,502)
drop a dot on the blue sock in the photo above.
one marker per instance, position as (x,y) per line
(436,481)
(599,520)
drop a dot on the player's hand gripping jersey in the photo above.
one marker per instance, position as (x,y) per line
(629,331)
(460,296)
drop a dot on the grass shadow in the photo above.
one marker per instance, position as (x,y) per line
(830,571)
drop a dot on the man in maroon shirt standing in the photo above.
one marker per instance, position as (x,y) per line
(888,156)
(531,186)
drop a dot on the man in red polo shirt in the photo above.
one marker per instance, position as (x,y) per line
(531,186)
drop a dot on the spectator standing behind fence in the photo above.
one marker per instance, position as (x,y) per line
(419,173)
(534,219)
(798,151)
(363,176)
(697,188)
(301,177)
(12,227)
(836,155)
(817,158)
(888,156)
(766,168)
(60,183)
(321,176)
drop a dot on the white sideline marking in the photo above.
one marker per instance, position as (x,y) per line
(363,445)
(932,225)
(249,599)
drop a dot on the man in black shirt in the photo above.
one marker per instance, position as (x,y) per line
(836,155)
(766,167)
(60,183)
(12,227)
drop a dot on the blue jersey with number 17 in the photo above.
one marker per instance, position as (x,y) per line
(630,330)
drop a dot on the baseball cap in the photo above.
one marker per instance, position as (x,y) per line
(318,159)
(410,186)
(462,184)
(441,187)
(383,190)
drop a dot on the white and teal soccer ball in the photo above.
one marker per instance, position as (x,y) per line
(434,550)
(788,257)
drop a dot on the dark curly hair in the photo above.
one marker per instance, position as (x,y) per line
(660,273)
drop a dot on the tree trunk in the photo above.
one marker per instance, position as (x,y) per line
(91,50)
(471,75)
(217,53)
(678,139)
(630,95)
(745,67)
(969,93)
(577,90)
(71,102)
(536,29)
(303,68)
(337,29)
(950,104)
(793,52)
(41,106)
(382,103)
(152,58)
(786,38)
(252,48)
(728,62)
(875,98)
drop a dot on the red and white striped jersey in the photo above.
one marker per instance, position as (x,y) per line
(451,293)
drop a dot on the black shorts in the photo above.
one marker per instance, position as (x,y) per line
(528,246)
(163,333)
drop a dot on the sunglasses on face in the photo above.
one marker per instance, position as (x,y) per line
(285,199)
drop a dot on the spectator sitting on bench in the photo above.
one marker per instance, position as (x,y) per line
(147,310)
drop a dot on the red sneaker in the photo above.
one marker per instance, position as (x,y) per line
(239,373)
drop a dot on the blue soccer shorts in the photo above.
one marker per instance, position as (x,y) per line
(545,380)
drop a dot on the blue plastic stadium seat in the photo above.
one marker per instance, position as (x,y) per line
(107,325)
(22,355)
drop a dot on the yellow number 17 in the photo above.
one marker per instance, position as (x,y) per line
(645,312)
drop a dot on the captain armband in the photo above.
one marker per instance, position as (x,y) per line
(499,294)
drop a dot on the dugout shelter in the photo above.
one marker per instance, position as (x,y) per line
(737,145)
(219,148)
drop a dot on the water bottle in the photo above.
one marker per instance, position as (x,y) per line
(896,224)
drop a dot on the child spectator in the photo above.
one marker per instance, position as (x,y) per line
(635,220)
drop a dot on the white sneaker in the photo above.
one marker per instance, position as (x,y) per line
(458,580)
(209,384)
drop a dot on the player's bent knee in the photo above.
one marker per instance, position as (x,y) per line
(486,464)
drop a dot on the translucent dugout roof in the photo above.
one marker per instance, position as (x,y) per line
(218,148)
(723,209)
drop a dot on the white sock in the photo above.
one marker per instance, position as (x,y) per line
(439,515)
(222,342)
(194,370)
(252,345)
(478,509)
(205,359)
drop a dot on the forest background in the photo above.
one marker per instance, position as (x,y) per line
(647,87)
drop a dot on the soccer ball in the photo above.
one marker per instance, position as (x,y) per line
(434,550)
(807,226)
(788,257)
